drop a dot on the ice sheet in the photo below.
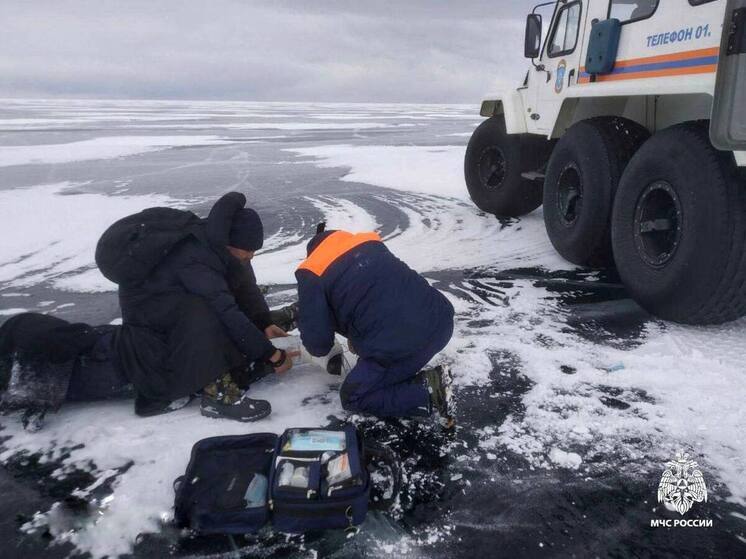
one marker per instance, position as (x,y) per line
(159,450)
(109,147)
(60,251)
(11,312)
(680,389)
(442,234)
(623,408)
(428,169)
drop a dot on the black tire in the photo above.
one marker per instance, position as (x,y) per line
(582,178)
(679,228)
(493,165)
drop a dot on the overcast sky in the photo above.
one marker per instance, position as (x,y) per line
(280,50)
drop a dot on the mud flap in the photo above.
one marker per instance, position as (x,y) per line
(728,121)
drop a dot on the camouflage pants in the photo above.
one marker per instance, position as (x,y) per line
(224,390)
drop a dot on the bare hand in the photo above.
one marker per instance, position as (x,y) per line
(287,364)
(273,331)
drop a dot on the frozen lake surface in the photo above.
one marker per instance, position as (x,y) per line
(570,398)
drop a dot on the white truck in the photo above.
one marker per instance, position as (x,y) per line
(630,129)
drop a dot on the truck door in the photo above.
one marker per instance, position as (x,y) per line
(728,122)
(561,61)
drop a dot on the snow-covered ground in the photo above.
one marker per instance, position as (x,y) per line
(563,384)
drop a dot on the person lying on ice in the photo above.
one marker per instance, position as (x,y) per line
(199,321)
(393,319)
(46,362)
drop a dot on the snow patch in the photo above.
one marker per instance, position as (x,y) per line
(110,436)
(62,250)
(428,169)
(442,234)
(564,459)
(681,388)
(283,252)
(11,312)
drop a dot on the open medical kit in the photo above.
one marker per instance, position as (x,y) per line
(303,480)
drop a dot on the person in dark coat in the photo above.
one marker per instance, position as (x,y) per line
(394,320)
(46,361)
(200,322)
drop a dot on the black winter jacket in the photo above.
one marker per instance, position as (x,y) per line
(197,315)
(197,268)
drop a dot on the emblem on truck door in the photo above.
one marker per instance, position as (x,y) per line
(561,72)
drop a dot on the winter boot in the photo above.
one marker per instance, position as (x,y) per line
(224,399)
(286,317)
(337,365)
(437,381)
(33,385)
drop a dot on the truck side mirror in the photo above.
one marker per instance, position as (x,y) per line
(532,47)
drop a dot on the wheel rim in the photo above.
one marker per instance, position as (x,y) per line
(658,222)
(569,195)
(492,168)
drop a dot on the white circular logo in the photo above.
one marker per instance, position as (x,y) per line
(682,484)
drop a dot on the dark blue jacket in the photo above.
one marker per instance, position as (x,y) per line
(353,285)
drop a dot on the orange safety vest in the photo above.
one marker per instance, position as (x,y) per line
(335,245)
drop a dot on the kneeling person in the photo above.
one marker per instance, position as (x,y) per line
(194,318)
(392,317)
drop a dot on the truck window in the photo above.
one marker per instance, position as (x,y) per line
(566,29)
(628,11)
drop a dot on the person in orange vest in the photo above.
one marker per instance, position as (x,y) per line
(393,319)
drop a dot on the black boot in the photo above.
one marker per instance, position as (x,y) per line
(225,399)
(244,410)
(286,317)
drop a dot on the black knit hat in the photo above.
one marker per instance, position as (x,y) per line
(247,231)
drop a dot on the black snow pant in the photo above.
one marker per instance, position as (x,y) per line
(96,374)
(181,348)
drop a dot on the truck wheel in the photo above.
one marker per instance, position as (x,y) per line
(582,178)
(679,228)
(493,166)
